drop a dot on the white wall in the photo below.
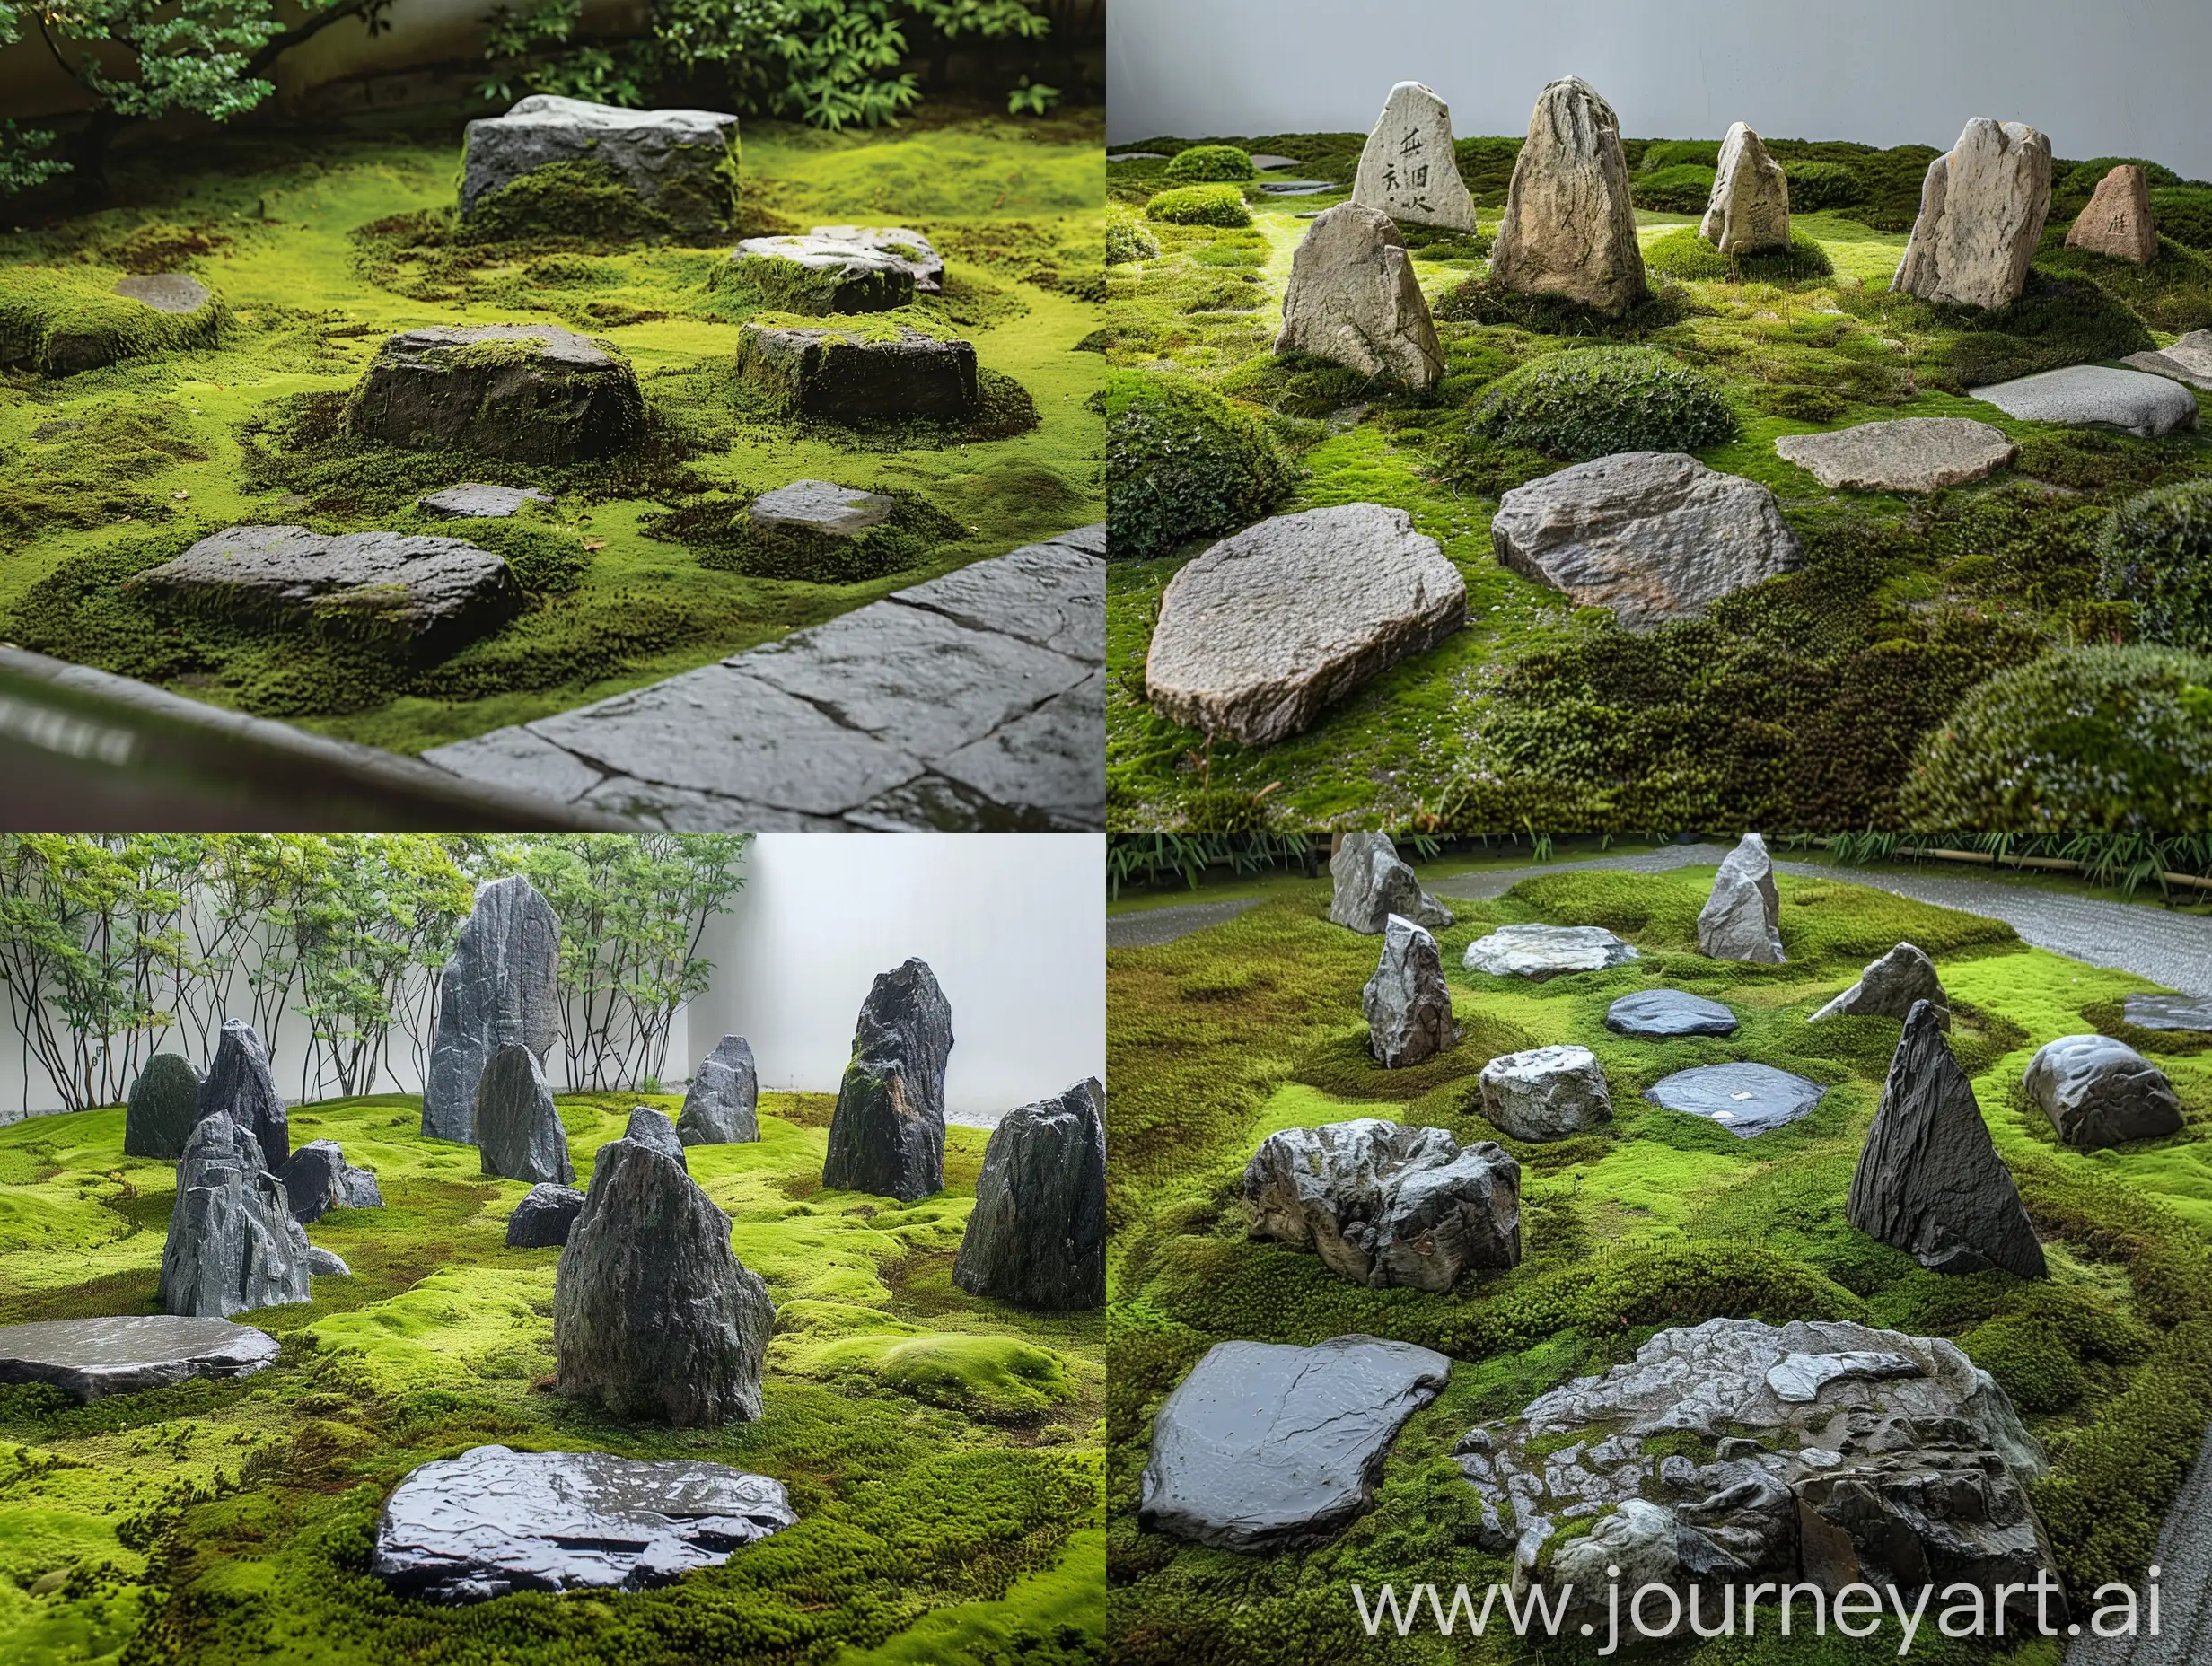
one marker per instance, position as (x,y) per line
(2124,78)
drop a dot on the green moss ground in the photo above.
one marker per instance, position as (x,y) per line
(943,1452)
(244,432)
(1658,1219)
(1798,703)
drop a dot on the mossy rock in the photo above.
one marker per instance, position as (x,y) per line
(1182,462)
(874,367)
(590,201)
(813,288)
(722,529)
(60,322)
(529,393)
(1686,254)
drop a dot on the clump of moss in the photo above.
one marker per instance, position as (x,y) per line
(1182,462)
(1128,241)
(1199,205)
(723,533)
(1686,254)
(163,246)
(2173,292)
(2156,552)
(95,470)
(1817,184)
(1211,162)
(2184,213)
(792,286)
(2062,318)
(60,322)
(1594,401)
(1683,187)
(1299,385)
(1663,154)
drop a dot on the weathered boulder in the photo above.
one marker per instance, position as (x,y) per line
(1545,1092)
(1353,298)
(494,1520)
(681,163)
(2168,1012)
(2117,220)
(237,1082)
(722,1105)
(1909,454)
(162,1107)
(1265,630)
(502,986)
(518,1128)
(1038,1236)
(1408,170)
(1383,1204)
(1741,919)
(1408,1004)
(1569,228)
(817,274)
(909,249)
(844,373)
(1542,951)
(1981,215)
(1265,1447)
(2188,359)
(820,506)
(887,1133)
(1654,536)
(1749,210)
(1929,1180)
(1746,1098)
(233,1243)
(1889,987)
(326,1263)
(649,1127)
(2097,396)
(1368,883)
(88,1359)
(2098,1091)
(317,1179)
(358,1189)
(475,500)
(653,1315)
(545,1217)
(524,393)
(1658,1014)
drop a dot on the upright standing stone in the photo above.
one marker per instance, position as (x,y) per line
(317,1179)
(1353,298)
(722,1105)
(1889,987)
(1368,883)
(1408,171)
(233,1243)
(1408,1004)
(1749,210)
(887,1133)
(2117,220)
(518,1130)
(1981,216)
(163,1105)
(1038,1235)
(1741,919)
(502,987)
(239,1083)
(1569,228)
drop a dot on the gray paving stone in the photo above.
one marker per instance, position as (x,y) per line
(1054,759)
(516,758)
(1049,594)
(683,809)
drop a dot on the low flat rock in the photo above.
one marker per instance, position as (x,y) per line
(2099,396)
(1546,950)
(909,249)
(1145,156)
(1260,634)
(1745,1099)
(1264,1447)
(1910,454)
(477,501)
(2188,359)
(1298,188)
(1545,1092)
(650,151)
(845,375)
(166,292)
(1888,988)
(1656,1015)
(1262,159)
(2098,1091)
(494,1520)
(89,1359)
(2168,1012)
(821,506)
(820,273)
(542,1220)
(522,393)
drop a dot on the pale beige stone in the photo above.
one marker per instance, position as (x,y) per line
(1748,211)
(1408,170)
(2117,220)
(1353,298)
(1983,207)
(1569,228)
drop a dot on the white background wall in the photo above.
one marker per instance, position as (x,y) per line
(2122,78)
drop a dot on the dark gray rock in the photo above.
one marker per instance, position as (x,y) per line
(680,162)
(476,501)
(518,1128)
(501,986)
(493,1520)
(653,1315)
(524,393)
(233,1243)
(1383,1204)
(1929,1180)
(357,1189)
(1038,1235)
(165,291)
(2168,1012)
(1408,1002)
(88,1359)
(1545,1092)
(315,1179)
(163,1105)
(239,1083)
(652,1128)
(722,1105)
(2098,1091)
(845,375)
(820,506)
(1741,919)
(1369,883)
(545,1218)
(1745,1099)
(1264,1447)
(1654,1014)
(1543,951)
(1889,987)
(887,1133)
(326,1263)
(817,274)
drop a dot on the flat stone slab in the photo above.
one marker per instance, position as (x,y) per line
(1742,1098)
(476,501)
(837,273)
(2168,1012)
(1542,951)
(165,291)
(2188,359)
(1656,1015)
(88,1359)
(494,1520)
(1298,188)
(1911,454)
(821,506)
(2099,394)
(1264,160)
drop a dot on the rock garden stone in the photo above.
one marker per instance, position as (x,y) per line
(163,1105)
(524,393)
(1542,951)
(239,1083)
(2098,396)
(502,986)
(1660,1014)
(909,249)
(821,506)
(1749,210)
(722,1105)
(1981,215)
(1408,1004)
(326,1263)
(1353,298)
(2117,220)
(1265,1447)
(518,1130)
(492,1522)
(1266,161)
(1408,170)
(2188,359)
(544,1218)
(358,1189)
(1038,1235)
(843,374)
(819,274)
(1745,1099)
(652,1128)
(88,1359)
(653,1315)
(1272,625)
(1300,187)
(1889,988)
(1368,883)
(1909,454)
(476,501)
(2168,1012)
(1383,1205)
(1929,1180)
(166,292)
(233,1243)
(2098,1091)
(1741,919)
(887,1133)
(1545,1093)
(1654,536)
(317,1179)
(683,163)
(1569,228)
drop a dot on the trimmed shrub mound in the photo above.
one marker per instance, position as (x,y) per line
(2156,551)
(1199,205)
(1127,238)
(1182,462)
(2062,318)
(1687,254)
(2173,292)
(1684,188)
(1596,400)
(1817,184)
(1211,162)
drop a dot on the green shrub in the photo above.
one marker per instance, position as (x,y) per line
(1211,162)
(1593,402)
(2081,739)
(1182,462)
(1685,253)
(1127,239)
(1684,188)
(1817,184)
(1663,154)
(2184,213)
(2156,551)
(1199,205)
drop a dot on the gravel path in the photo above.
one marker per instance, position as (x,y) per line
(1148,928)
(2185,1567)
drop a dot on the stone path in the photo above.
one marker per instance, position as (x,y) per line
(974,702)
(2184,1563)
(1148,928)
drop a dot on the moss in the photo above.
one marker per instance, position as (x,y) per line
(2062,318)
(2184,213)
(1199,205)
(723,531)
(791,286)
(1127,239)
(96,470)
(1686,254)
(2173,292)
(60,322)
(1817,184)
(1661,154)
(1182,462)
(2154,552)
(1678,187)
(588,199)
(163,246)
(1596,400)
(1210,161)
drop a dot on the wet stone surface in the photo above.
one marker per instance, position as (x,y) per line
(89,1358)
(476,501)
(1652,1014)
(2168,1012)
(1542,951)
(1744,1098)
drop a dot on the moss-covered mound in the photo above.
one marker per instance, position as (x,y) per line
(1686,254)
(1211,162)
(1598,400)
(2155,553)
(1679,188)
(1199,205)
(59,322)
(1182,462)
(726,537)
(591,200)
(1127,238)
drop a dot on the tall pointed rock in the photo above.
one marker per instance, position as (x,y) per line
(1409,170)
(501,988)
(239,1084)
(887,1133)
(1749,210)
(1983,207)
(1569,228)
